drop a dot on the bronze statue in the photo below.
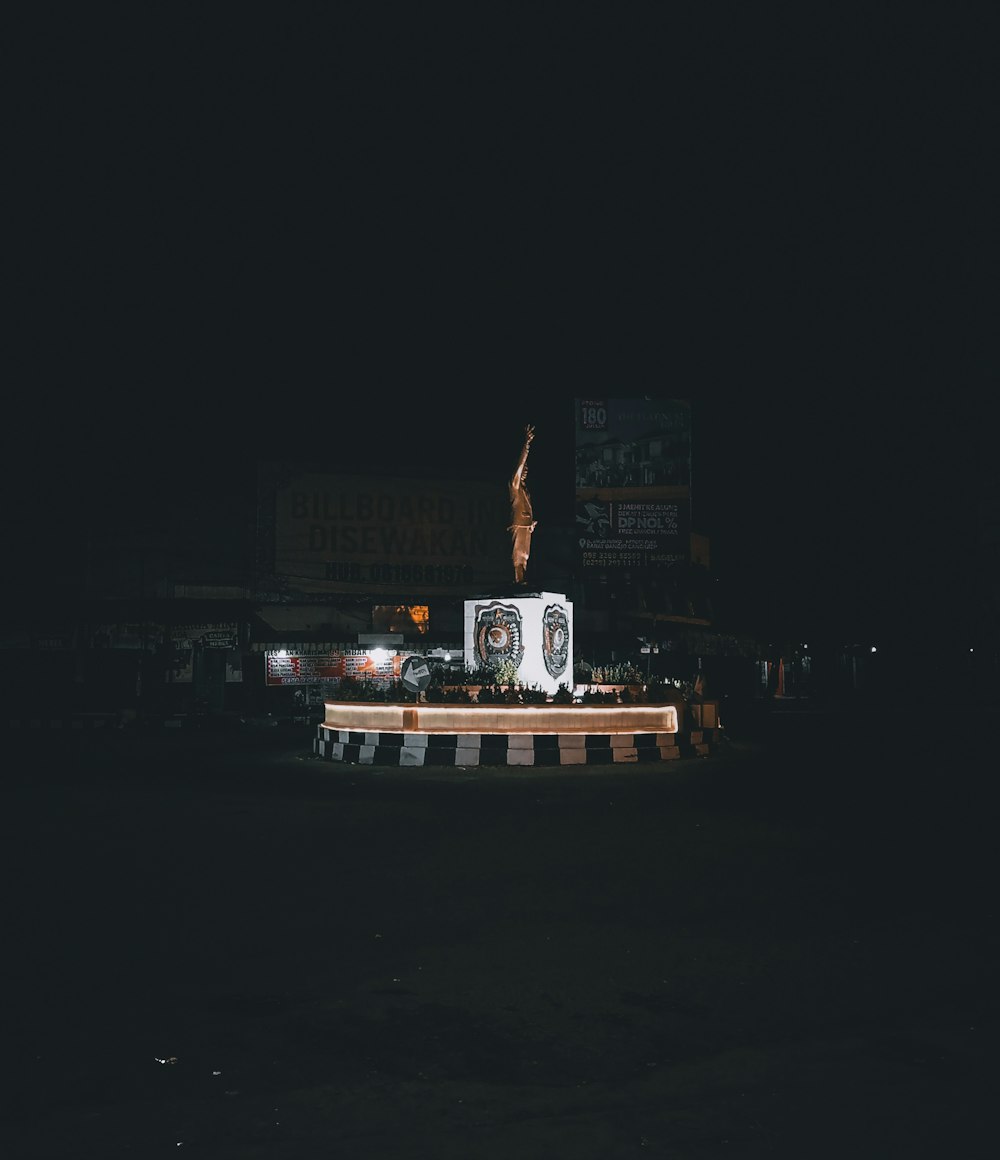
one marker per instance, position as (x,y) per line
(521,523)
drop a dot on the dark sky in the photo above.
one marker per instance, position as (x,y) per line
(362,238)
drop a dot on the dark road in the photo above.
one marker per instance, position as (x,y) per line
(223,944)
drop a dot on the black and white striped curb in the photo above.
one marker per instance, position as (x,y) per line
(484,749)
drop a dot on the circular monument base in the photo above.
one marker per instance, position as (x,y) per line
(463,736)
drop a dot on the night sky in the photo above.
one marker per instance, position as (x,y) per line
(386,244)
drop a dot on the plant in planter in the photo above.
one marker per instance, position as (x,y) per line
(563,695)
(600,697)
(505,673)
(622,673)
(633,695)
(483,675)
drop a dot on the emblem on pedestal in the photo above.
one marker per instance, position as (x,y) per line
(555,640)
(498,634)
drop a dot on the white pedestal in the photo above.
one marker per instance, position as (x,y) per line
(534,631)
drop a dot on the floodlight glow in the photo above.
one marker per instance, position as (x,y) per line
(379,655)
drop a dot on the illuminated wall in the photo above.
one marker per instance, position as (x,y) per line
(532,632)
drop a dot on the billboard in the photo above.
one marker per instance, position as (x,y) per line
(633,443)
(629,534)
(633,483)
(321,533)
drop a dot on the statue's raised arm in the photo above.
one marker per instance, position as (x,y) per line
(522,463)
(521,522)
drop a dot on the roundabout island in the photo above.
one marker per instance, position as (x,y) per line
(473,735)
(524,639)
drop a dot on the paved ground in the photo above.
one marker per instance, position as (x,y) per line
(217,945)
